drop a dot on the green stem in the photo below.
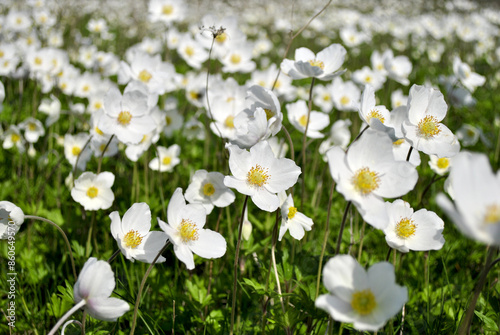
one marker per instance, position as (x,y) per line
(342,225)
(304,145)
(34,217)
(102,154)
(141,288)
(236,261)
(113,256)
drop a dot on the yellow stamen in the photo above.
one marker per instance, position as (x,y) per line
(99,131)
(97,105)
(235,59)
(492,214)
(317,63)
(257,176)
(428,127)
(38,61)
(365,181)
(167,9)
(345,100)
(208,189)
(405,228)
(132,239)
(124,118)
(188,231)
(15,138)
(291,212)
(221,38)
(145,76)
(189,51)
(76,150)
(443,163)
(168,120)
(375,114)
(166,160)
(269,113)
(303,120)
(397,143)
(92,192)
(32,126)
(229,122)
(368,79)
(363,302)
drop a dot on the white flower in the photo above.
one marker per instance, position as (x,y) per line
(469,79)
(467,134)
(440,165)
(260,175)
(167,160)
(208,189)
(185,231)
(93,191)
(94,285)
(398,68)
(368,299)
(420,231)
(297,115)
(74,147)
(11,219)
(293,221)
(133,236)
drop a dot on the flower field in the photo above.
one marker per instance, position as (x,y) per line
(249,167)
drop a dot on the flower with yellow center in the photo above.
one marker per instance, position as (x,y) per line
(124,118)
(365,181)
(185,231)
(208,189)
(292,220)
(428,127)
(235,59)
(298,116)
(167,10)
(93,191)
(365,298)
(145,76)
(407,230)
(133,235)
(168,159)
(257,176)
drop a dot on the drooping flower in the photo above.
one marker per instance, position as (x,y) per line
(133,235)
(185,231)
(423,128)
(467,77)
(292,220)
(208,189)
(11,219)
(94,285)
(476,194)
(368,299)
(260,175)
(407,230)
(325,65)
(93,191)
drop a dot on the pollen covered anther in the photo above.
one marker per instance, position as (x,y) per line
(132,239)
(257,176)
(317,63)
(363,302)
(405,228)
(428,127)
(188,231)
(124,118)
(291,212)
(208,189)
(365,180)
(375,114)
(92,192)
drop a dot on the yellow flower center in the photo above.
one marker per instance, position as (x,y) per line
(492,214)
(166,160)
(257,176)
(15,138)
(405,228)
(375,114)
(189,51)
(397,143)
(145,76)
(167,9)
(303,120)
(124,118)
(194,95)
(235,59)
(428,127)
(2,54)
(365,181)
(443,163)
(221,38)
(368,79)
(269,113)
(98,105)
(229,122)
(291,212)
(76,150)
(144,138)
(168,120)
(187,231)
(32,126)
(92,192)
(208,189)
(326,97)
(363,302)
(317,63)
(132,239)
(86,88)
(38,61)
(99,131)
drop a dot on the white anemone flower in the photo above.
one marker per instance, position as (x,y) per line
(93,191)
(476,193)
(292,220)
(260,175)
(297,115)
(368,299)
(407,230)
(11,219)
(441,166)
(208,189)
(398,68)
(185,231)
(467,77)
(133,236)
(325,65)
(167,160)
(423,128)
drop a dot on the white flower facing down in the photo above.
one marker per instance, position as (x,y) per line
(407,230)
(365,298)
(133,236)
(94,285)
(476,193)
(185,231)
(324,65)
(292,220)
(93,191)
(208,189)
(423,128)
(11,219)
(369,172)
(260,175)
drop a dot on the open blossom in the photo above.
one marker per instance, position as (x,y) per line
(476,194)
(292,220)
(11,219)
(93,191)
(324,65)
(260,175)
(133,236)
(208,189)
(368,299)
(168,158)
(423,128)
(185,231)
(297,115)
(407,230)
(467,77)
